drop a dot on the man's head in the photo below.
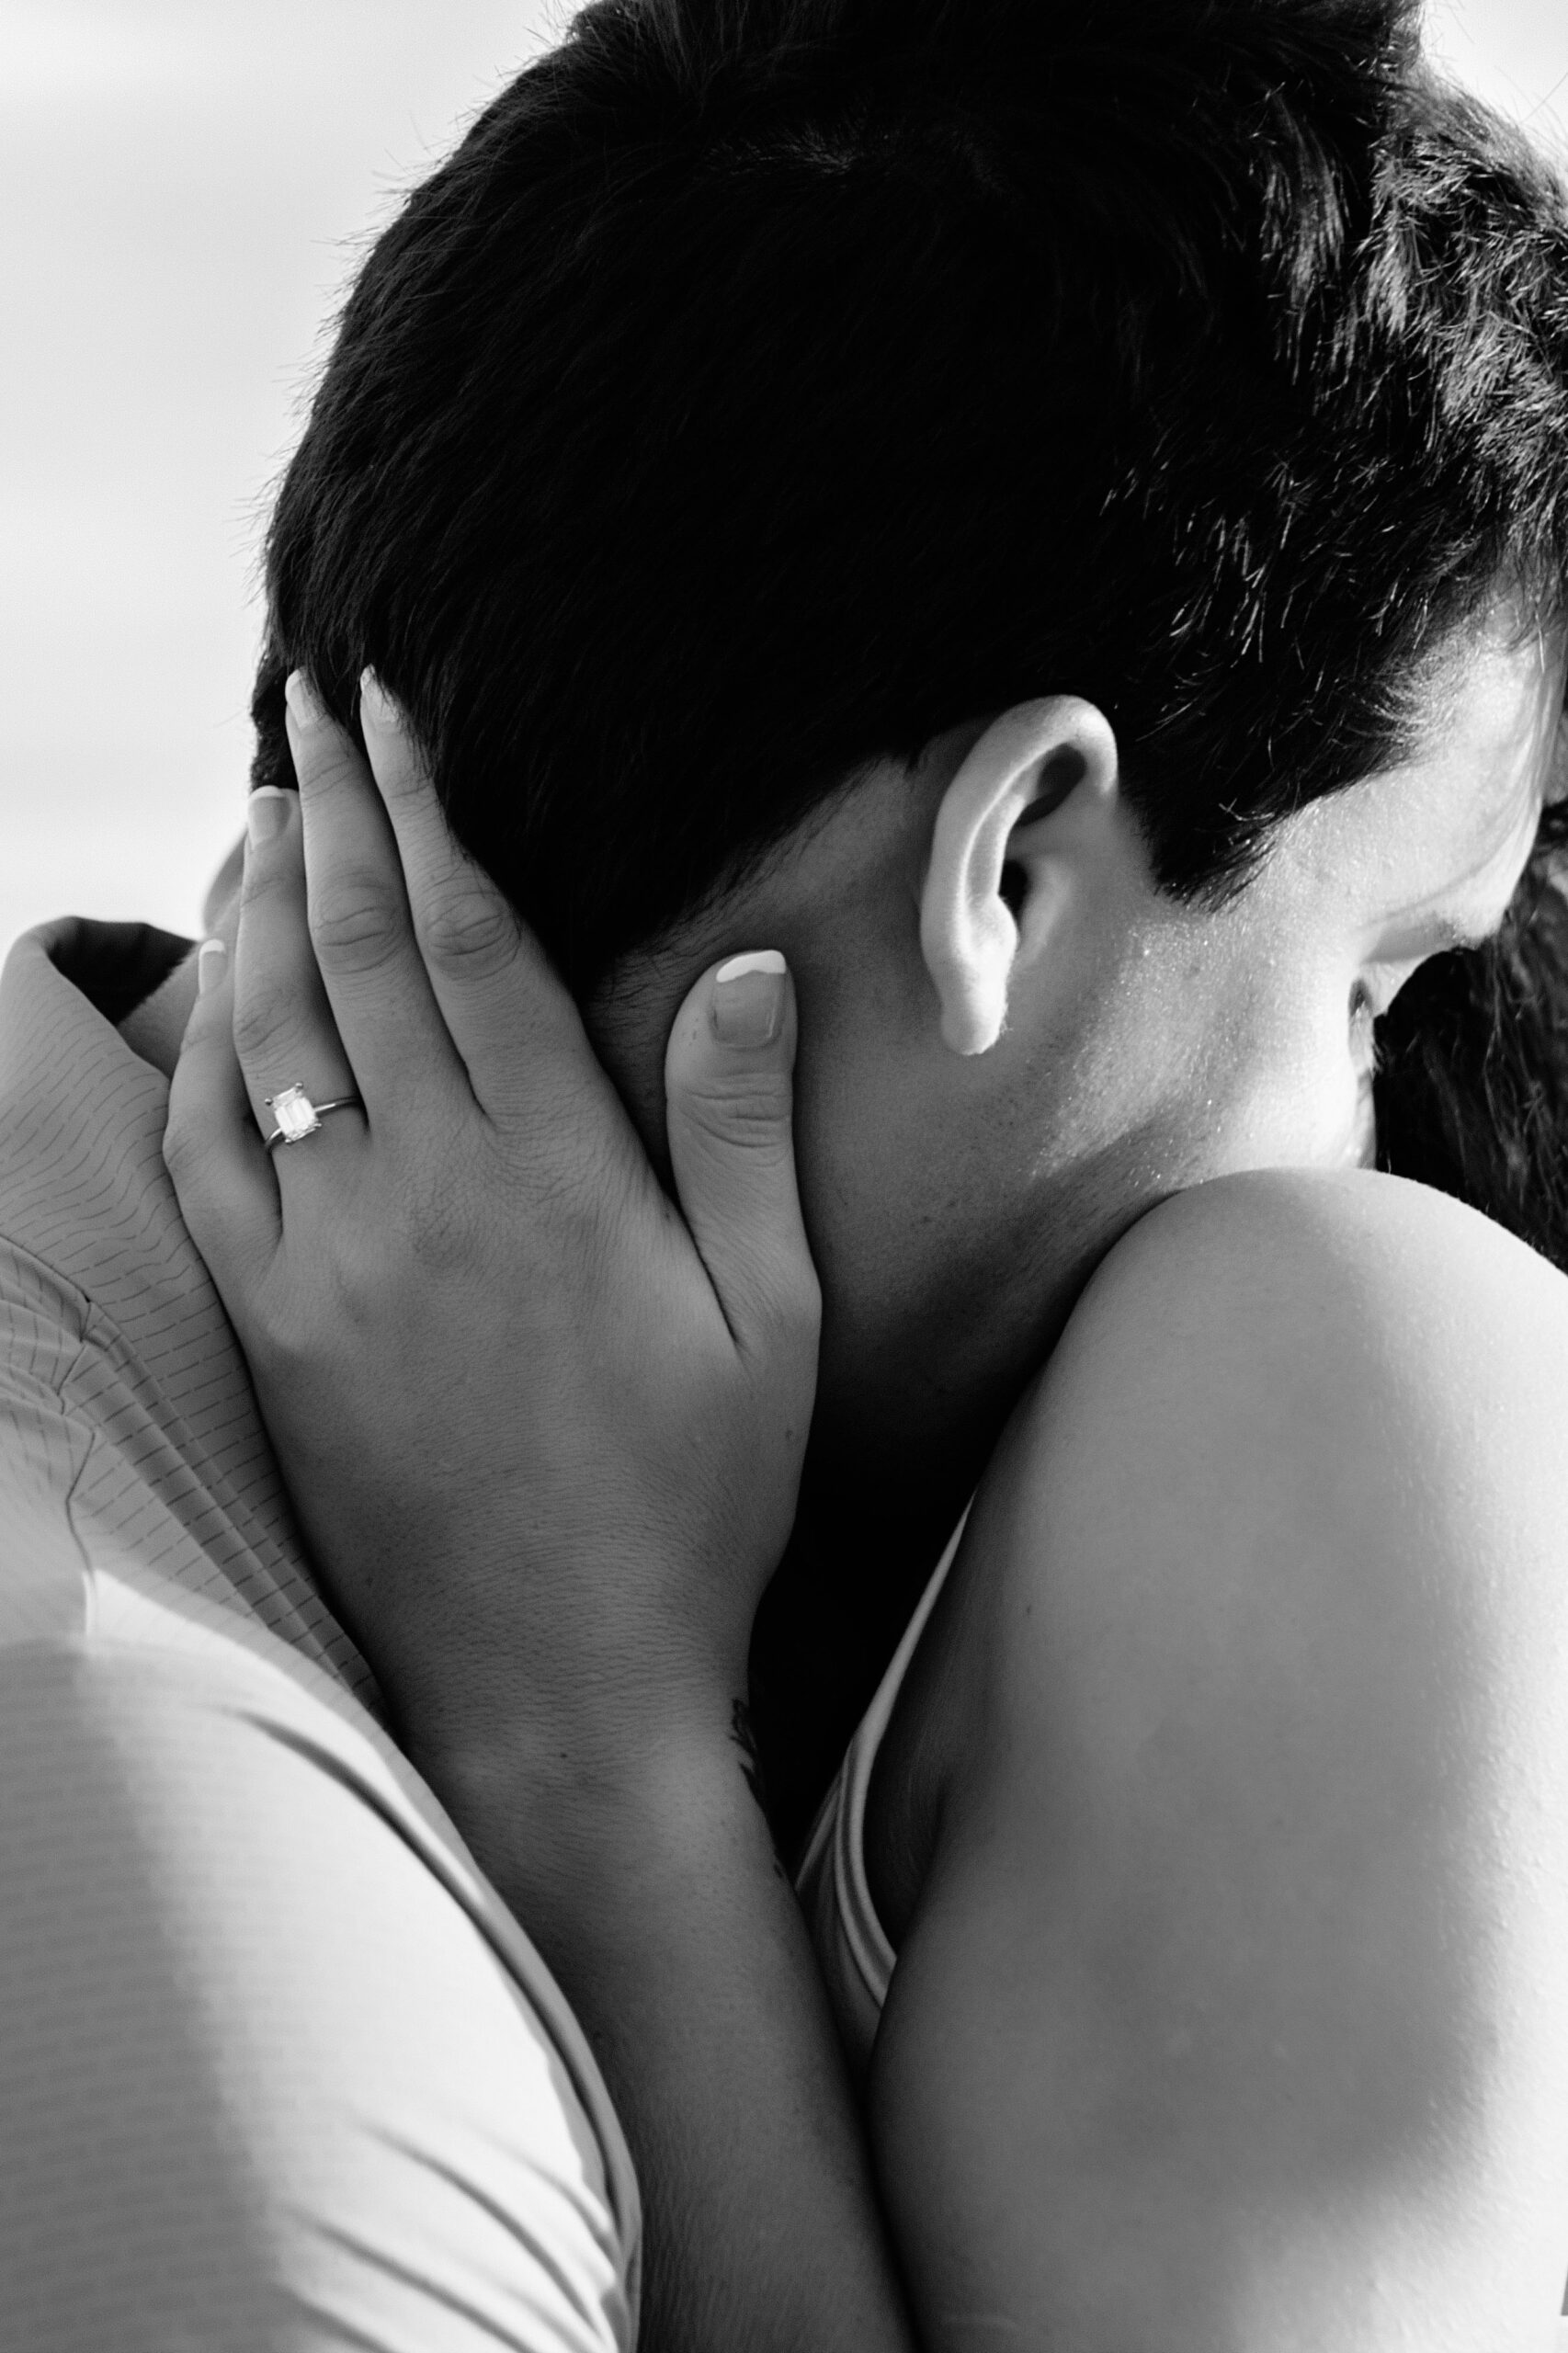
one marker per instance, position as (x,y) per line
(949,486)
(1014,1040)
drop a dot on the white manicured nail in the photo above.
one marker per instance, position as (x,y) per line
(761,959)
(376,704)
(300,696)
(748,998)
(267,813)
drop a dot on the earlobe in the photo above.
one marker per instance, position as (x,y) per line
(1028,765)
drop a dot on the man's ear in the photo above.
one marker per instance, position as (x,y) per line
(1033,792)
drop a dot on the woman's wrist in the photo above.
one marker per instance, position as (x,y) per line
(661,1818)
(577,1770)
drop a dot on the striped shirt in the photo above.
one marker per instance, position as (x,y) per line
(277,2065)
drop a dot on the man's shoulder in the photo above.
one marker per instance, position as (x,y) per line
(44,1321)
(44,1443)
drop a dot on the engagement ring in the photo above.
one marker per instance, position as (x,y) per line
(297,1117)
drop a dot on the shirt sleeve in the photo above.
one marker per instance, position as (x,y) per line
(265,2084)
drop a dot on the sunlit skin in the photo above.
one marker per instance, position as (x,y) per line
(1359,890)
(957,1203)
(1160,1044)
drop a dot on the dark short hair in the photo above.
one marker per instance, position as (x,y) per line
(761,389)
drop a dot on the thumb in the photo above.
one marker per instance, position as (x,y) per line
(728,1075)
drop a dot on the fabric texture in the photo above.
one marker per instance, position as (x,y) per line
(278,2067)
(852,1947)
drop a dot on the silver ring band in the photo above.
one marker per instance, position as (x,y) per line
(297,1117)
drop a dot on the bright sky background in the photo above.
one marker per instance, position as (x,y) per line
(184,187)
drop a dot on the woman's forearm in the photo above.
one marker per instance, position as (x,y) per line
(654,1893)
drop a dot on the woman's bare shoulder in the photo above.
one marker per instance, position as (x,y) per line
(1279,1391)
(1270,1375)
(1248,1697)
(1336,1253)
(1307,1305)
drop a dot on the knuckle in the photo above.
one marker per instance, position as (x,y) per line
(324,762)
(470,930)
(305,1337)
(269,1022)
(750,1108)
(275,1343)
(401,777)
(263,879)
(356,924)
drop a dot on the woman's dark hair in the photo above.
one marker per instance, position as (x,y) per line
(765,386)
(1471,1090)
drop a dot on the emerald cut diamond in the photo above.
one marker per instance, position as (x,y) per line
(295,1114)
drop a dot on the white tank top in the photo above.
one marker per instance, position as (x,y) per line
(852,1947)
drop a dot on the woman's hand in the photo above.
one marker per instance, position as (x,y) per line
(544,1437)
(543,1434)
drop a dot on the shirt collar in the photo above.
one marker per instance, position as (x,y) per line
(82,1185)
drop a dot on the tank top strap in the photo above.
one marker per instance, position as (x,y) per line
(852,1948)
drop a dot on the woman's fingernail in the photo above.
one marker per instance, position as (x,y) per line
(748,998)
(210,959)
(266,812)
(300,696)
(375,700)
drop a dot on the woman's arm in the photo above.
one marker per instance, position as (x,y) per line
(543,1437)
(1232,2010)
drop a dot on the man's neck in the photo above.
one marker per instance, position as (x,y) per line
(867,1537)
